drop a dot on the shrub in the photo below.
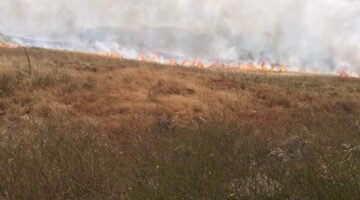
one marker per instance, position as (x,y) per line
(89,85)
(43,80)
(7,85)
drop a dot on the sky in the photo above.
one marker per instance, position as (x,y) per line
(310,35)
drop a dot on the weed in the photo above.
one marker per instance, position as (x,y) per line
(70,87)
(43,80)
(7,85)
(152,94)
(89,84)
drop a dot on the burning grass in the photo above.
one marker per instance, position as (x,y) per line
(90,127)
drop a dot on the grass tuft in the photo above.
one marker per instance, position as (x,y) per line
(7,85)
(89,84)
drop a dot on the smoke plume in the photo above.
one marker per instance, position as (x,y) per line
(307,35)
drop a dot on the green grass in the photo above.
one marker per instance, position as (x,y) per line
(62,158)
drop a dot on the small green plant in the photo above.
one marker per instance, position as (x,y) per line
(89,84)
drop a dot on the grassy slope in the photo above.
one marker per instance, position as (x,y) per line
(83,126)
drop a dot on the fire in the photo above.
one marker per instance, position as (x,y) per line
(262,67)
(247,67)
(217,64)
(172,62)
(8,45)
(282,68)
(110,54)
(141,57)
(197,63)
(154,58)
(343,74)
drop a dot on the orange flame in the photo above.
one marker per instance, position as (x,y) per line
(197,64)
(8,45)
(141,57)
(282,68)
(343,74)
(172,62)
(154,58)
(110,54)
(215,65)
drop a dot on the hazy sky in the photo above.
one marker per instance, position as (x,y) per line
(318,35)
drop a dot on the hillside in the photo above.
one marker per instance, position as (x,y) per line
(310,121)
(111,91)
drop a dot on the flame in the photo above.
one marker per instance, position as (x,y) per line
(282,68)
(343,74)
(141,57)
(154,58)
(162,58)
(217,64)
(109,54)
(8,45)
(171,62)
(262,67)
(197,63)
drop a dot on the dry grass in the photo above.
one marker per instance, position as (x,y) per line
(106,90)
(187,133)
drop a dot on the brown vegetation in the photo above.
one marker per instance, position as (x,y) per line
(82,126)
(109,91)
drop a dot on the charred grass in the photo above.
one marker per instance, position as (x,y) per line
(88,127)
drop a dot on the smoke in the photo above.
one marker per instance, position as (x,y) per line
(308,35)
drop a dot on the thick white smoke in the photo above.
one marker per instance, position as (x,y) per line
(311,35)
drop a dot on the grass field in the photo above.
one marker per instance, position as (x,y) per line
(80,126)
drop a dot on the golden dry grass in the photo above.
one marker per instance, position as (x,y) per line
(82,126)
(110,92)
